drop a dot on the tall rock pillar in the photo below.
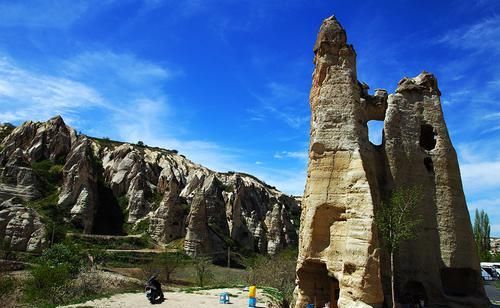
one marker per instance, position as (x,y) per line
(338,256)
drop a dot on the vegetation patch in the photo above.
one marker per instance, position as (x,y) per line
(111,242)
(5,130)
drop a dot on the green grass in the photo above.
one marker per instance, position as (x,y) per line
(106,142)
(122,243)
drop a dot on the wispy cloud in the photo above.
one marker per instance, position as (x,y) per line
(481,176)
(282,102)
(125,67)
(287,154)
(41,13)
(25,94)
(481,36)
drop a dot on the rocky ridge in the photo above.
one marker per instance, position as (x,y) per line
(106,187)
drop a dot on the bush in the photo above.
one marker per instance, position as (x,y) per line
(69,256)
(46,283)
(276,272)
(168,263)
(202,270)
(7,286)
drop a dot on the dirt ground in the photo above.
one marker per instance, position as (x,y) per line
(204,298)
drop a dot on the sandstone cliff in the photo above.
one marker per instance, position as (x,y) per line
(107,187)
(340,260)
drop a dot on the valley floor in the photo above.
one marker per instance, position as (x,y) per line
(204,298)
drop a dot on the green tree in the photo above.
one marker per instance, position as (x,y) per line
(169,263)
(482,234)
(282,278)
(202,268)
(397,222)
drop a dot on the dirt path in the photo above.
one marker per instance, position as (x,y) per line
(205,298)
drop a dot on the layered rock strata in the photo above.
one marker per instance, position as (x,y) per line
(21,228)
(107,187)
(340,259)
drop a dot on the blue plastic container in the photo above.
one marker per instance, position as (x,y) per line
(310,306)
(252,302)
(224,298)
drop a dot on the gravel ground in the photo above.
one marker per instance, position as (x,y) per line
(205,298)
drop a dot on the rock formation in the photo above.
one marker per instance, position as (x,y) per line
(21,227)
(105,187)
(340,259)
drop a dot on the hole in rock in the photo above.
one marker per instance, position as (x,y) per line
(318,148)
(427,137)
(429,165)
(109,217)
(328,222)
(375,131)
(318,287)
(459,281)
(413,293)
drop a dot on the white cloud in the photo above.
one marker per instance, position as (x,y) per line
(488,205)
(26,94)
(287,154)
(125,68)
(481,176)
(282,102)
(40,13)
(481,36)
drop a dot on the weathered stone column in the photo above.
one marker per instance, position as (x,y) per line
(338,255)
(340,260)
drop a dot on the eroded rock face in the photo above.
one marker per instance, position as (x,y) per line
(107,184)
(79,189)
(21,227)
(339,256)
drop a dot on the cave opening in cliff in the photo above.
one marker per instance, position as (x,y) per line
(109,218)
(427,137)
(318,286)
(375,131)
(413,293)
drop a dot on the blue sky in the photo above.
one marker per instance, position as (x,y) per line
(226,82)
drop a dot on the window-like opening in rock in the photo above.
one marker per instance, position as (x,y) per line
(318,148)
(429,165)
(427,137)
(459,281)
(375,131)
(329,221)
(319,288)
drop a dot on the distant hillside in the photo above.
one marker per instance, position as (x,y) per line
(59,178)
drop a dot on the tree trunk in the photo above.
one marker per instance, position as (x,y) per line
(393,286)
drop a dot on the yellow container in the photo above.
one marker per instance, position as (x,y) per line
(252,291)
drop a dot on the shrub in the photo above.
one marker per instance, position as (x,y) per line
(69,256)
(202,270)
(276,272)
(168,263)
(45,284)
(7,286)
